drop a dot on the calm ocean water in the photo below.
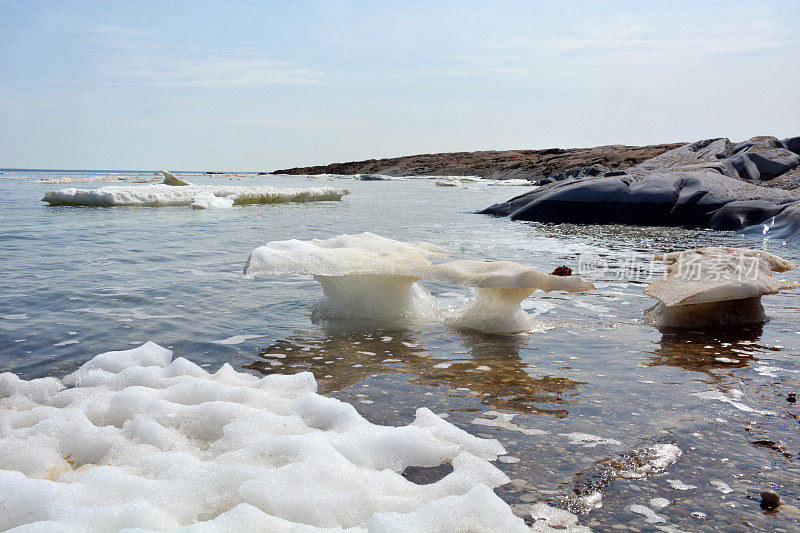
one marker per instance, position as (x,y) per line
(80,281)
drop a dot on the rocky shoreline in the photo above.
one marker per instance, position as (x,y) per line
(532,165)
(752,186)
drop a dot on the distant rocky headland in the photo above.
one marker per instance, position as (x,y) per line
(532,165)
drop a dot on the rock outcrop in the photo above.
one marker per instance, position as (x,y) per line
(532,165)
(707,184)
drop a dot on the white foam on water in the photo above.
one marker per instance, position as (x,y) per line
(135,439)
(239,339)
(160,195)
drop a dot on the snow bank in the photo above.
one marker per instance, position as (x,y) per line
(134,439)
(716,287)
(168,195)
(368,276)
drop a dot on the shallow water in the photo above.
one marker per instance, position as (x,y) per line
(80,281)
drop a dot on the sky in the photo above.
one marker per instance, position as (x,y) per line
(259,85)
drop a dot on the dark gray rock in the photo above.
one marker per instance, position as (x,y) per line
(745,168)
(770,499)
(792,144)
(783,227)
(692,199)
(699,185)
(773,163)
(757,143)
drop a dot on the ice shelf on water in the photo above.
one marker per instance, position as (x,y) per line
(166,195)
(372,277)
(135,439)
(176,191)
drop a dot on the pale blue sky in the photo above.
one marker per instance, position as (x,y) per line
(262,85)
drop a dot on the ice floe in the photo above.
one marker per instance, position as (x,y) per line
(369,276)
(716,287)
(176,191)
(135,439)
(173,180)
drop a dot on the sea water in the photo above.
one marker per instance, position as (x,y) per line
(81,281)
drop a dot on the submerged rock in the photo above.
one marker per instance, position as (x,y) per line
(715,287)
(649,456)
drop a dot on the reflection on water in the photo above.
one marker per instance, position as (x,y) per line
(489,367)
(709,350)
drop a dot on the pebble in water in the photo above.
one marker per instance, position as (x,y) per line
(770,499)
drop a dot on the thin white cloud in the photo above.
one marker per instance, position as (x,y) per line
(120,55)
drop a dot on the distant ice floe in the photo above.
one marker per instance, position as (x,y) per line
(135,439)
(176,191)
(378,177)
(371,277)
(94,178)
(716,287)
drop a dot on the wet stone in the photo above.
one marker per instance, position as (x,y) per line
(770,499)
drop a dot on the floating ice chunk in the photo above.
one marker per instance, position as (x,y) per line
(721,486)
(659,503)
(715,287)
(144,441)
(500,287)
(677,484)
(19,316)
(589,441)
(650,516)
(549,519)
(368,276)
(173,180)
(207,200)
(166,195)
(362,276)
